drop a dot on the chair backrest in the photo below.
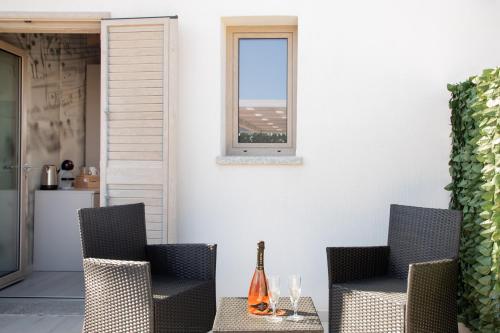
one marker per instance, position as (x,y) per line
(421,234)
(115,232)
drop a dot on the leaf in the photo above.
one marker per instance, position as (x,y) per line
(482,269)
(485,251)
(485,300)
(484,290)
(485,215)
(485,280)
(496,236)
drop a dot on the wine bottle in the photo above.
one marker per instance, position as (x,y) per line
(258,296)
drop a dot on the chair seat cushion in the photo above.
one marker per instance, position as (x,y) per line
(386,288)
(374,305)
(168,286)
(183,305)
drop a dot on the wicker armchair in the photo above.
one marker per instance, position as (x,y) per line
(134,287)
(408,286)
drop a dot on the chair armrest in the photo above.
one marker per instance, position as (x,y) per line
(432,296)
(117,296)
(190,261)
(353,263)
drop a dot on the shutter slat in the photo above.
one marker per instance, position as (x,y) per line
(135,100)
(153,226)
(126,76)
(135,131)
(136,35)
(125,201)
(132,155)
(131,68)
(134,187)
(128,52)
(133,43)
(136,193)
(136,92)
(153,234)
(136,107)
(135,28)
(135,115)
(157,59)
(152,218)
(135,147)
(136,84)
(134,139)
(155,123)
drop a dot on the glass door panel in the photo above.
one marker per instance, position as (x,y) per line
(10,105)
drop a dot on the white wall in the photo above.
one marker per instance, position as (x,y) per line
(373,124)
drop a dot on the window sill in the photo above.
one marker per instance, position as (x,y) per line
(259,160)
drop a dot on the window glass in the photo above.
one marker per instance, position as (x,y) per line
(262,100)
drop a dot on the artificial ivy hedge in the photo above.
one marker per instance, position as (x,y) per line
(475,189)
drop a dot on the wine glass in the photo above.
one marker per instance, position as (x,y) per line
(294,288)
(273,283)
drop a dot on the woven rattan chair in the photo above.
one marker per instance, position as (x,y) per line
(134,287)
(408,286)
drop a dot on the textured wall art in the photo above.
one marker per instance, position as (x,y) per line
(56,110)
(56,113)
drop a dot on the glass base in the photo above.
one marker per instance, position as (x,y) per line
(295,318)
(274,319)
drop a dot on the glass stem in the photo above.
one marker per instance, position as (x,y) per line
(295,308)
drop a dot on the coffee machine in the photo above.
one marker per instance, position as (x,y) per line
(66,177)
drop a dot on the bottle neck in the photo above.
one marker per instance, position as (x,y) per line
(260,259)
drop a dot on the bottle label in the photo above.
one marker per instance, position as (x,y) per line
(260,259)
(261,306)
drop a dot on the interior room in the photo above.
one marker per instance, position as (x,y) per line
(61,92)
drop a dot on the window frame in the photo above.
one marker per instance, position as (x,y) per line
(233,35)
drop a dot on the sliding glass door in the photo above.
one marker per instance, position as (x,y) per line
(12,181)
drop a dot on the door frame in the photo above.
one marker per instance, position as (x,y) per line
(37,22)
(52,22)
(22,167)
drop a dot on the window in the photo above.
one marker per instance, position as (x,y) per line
(260,91)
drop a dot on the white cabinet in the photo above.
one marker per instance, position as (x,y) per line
(57,245)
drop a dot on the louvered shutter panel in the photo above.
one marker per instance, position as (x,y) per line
(138,101)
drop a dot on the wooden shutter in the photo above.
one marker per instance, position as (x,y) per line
(138,101)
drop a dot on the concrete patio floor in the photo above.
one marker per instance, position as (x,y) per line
(44,302)
(41,324)
(52,302)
